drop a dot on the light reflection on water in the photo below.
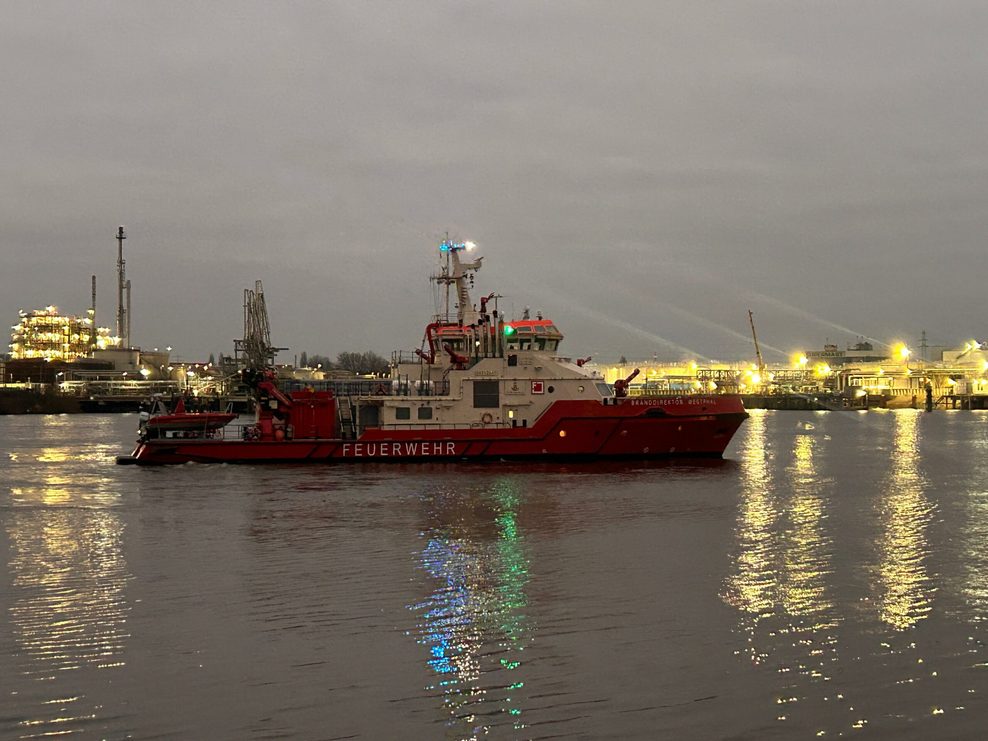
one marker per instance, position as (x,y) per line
(904,589)
(835,637)
(67,606)
(474,624)
(783,564)
(829,578)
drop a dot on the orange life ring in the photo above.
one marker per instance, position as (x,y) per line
(487,418)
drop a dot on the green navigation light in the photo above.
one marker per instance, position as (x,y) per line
(508,330)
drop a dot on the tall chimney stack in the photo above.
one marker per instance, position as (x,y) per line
(92,316)
(127,343)
(121,285)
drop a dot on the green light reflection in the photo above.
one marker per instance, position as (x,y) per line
(474,623)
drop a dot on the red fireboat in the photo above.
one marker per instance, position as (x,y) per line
(481,387)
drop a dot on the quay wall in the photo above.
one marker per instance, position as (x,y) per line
(30,401)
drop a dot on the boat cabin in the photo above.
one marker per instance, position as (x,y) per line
(540,335)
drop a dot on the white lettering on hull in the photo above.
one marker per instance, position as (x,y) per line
(671,401)
(417,449)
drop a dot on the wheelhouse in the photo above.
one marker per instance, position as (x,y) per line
(532,334)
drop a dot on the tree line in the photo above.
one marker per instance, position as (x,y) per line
(360,363)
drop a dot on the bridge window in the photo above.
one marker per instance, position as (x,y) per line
(403,413)
(425,412)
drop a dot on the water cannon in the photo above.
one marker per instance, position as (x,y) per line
(458,360)
(621,385)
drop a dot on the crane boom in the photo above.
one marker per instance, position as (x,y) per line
(758,352)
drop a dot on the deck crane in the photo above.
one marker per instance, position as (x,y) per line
(255,349)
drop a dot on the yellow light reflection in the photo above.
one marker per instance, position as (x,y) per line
(807,559)
(752,586)
(904,589)
(973,557)
(780,582)
(68,609)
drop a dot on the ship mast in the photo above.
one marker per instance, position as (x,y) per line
(458,275)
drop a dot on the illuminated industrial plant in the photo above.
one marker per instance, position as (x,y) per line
(47,334)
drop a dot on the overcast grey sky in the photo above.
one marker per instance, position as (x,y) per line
(643,172)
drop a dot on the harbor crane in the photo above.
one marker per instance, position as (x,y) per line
(758,352)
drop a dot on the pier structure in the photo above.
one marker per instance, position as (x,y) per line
(862,379)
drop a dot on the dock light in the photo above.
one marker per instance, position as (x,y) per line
(145,372)
(900,351)
(800,360)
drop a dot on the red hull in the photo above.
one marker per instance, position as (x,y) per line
(650,427)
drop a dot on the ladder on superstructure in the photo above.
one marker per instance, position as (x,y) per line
(344,413)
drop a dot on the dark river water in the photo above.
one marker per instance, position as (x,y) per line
(829,578)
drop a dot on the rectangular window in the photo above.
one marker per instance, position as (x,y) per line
(486,394)
(425,412)
(403,413)
(604,389)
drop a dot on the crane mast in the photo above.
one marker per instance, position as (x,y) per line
(255,349)
(758,352)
